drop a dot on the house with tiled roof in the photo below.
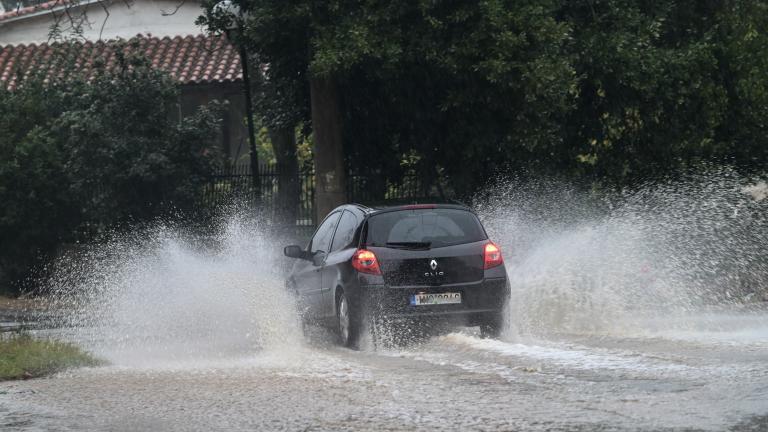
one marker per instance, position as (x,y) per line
(207,67)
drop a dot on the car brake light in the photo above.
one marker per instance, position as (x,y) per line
(492,256)
(420,206)
(365,261)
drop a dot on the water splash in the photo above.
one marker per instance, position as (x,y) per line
(660,259)
(612,264)
(163,295)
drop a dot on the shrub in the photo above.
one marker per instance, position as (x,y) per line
(80,156)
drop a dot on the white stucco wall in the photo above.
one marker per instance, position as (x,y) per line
(141,17)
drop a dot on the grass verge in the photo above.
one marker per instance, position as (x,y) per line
(22,357)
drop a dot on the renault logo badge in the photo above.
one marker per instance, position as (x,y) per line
(434,272)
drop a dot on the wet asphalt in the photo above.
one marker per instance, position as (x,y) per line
(451,382)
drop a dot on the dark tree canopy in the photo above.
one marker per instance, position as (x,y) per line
(615,90)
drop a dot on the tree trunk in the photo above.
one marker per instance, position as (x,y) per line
(330,172)
(284,144)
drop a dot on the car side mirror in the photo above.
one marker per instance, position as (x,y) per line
(294,251)
(318,258)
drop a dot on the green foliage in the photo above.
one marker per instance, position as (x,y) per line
(22,357)
(127,152)
(743,69)
(37,210)
(650,96)
(614,90)
(476,86)
(82,156)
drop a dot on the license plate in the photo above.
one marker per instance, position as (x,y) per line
(435,298)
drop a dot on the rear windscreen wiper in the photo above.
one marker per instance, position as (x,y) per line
(410,245)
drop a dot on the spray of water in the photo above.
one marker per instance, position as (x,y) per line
(634,263)
(630,263)
(162,295)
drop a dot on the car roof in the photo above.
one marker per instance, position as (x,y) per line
(376,209)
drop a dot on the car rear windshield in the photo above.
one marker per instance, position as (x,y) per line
(423,228)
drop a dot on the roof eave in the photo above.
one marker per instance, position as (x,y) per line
(42,12)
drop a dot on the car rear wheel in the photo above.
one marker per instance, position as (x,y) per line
(492,326)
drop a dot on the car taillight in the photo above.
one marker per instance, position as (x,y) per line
(492,256)
(365,261)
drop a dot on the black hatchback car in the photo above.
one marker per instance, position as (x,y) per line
(424,261)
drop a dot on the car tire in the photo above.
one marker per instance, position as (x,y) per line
(347,324)
(492,326)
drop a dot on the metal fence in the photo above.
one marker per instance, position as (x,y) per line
(236,183)
(366,188)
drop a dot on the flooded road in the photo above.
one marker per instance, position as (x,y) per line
(686,381)
(649,314)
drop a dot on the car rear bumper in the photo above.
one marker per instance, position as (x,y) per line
(479,299)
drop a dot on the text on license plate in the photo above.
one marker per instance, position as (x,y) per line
(435,298)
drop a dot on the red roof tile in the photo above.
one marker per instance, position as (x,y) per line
(189,59)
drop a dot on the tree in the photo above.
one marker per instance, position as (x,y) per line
(129,156)
(38,211)
(421,68)
(614,91)
(648,91)
(280,102)
(81,156)
(741,51)
(280,34)
(663,85)
(467,88)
